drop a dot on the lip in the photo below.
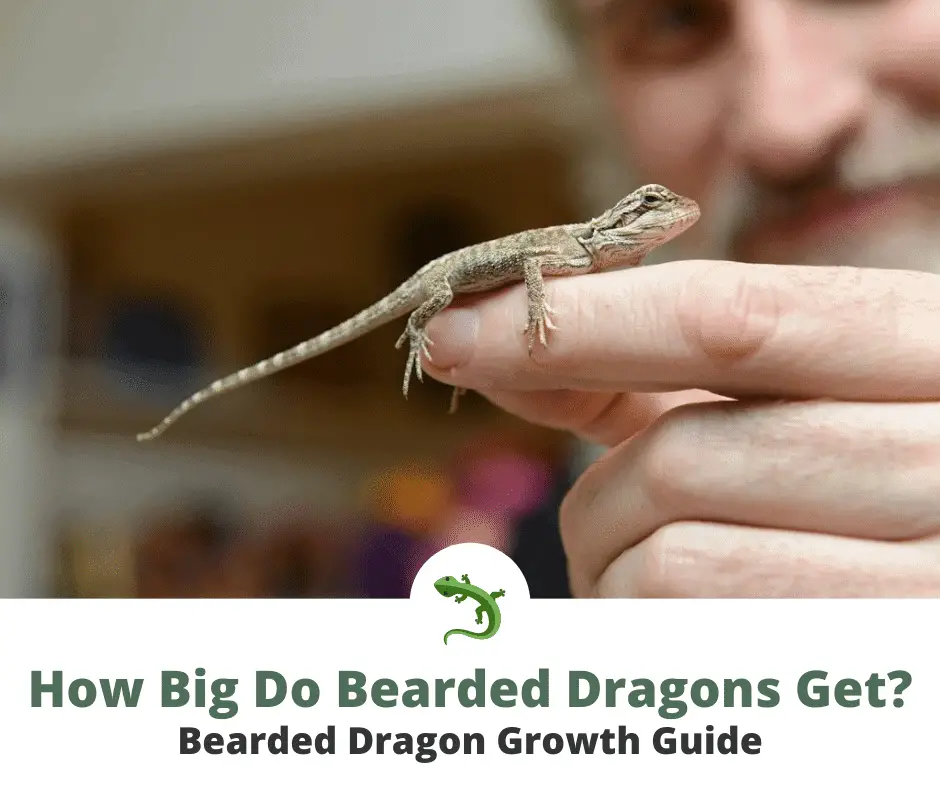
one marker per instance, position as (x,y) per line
(826,215)
(689,214)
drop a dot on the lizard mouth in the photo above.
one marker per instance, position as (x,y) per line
(687,216)
(677,222)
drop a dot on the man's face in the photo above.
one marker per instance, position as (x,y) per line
(775,115)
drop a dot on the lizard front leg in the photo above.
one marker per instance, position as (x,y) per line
(440,297)
(539,317)
(540,312)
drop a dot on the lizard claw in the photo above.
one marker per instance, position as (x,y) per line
(455,396)
(539,319)
(418,346)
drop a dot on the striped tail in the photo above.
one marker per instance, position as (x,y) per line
(390,308)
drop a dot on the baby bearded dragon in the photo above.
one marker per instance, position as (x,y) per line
(460,590)
(620,237)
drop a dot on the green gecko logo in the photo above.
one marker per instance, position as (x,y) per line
(461,590)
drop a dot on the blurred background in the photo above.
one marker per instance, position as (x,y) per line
(188,186)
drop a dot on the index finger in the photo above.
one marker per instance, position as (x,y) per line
(738,329)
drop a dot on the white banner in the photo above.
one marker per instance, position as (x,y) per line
(311,692)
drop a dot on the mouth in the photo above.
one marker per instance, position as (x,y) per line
(829,214)
(687,216)
(690,213)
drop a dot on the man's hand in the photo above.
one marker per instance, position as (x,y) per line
(813,469)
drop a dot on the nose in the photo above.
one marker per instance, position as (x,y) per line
(799,96)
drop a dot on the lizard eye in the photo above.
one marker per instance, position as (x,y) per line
(652,199)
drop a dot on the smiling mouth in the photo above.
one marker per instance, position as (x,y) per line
(828,214)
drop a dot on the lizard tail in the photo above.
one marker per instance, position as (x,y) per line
(393,306)
(477,635)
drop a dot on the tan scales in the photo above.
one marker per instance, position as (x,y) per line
(619,238)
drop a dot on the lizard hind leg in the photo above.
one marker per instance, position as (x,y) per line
(415,333)
(419,345)
(455,396)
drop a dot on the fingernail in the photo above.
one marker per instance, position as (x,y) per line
(454,333)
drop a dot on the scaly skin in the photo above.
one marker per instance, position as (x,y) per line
(462,590)
(620,237)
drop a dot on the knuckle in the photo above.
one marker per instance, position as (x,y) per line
(668,457)
(652,580)
(651,568)
(728,312)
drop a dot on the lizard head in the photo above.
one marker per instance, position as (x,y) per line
(646,218)
(447,586)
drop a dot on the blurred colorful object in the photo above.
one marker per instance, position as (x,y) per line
(504,483)
(494,488)
(406,504)
(385,562)
(98,561)
(410,500)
